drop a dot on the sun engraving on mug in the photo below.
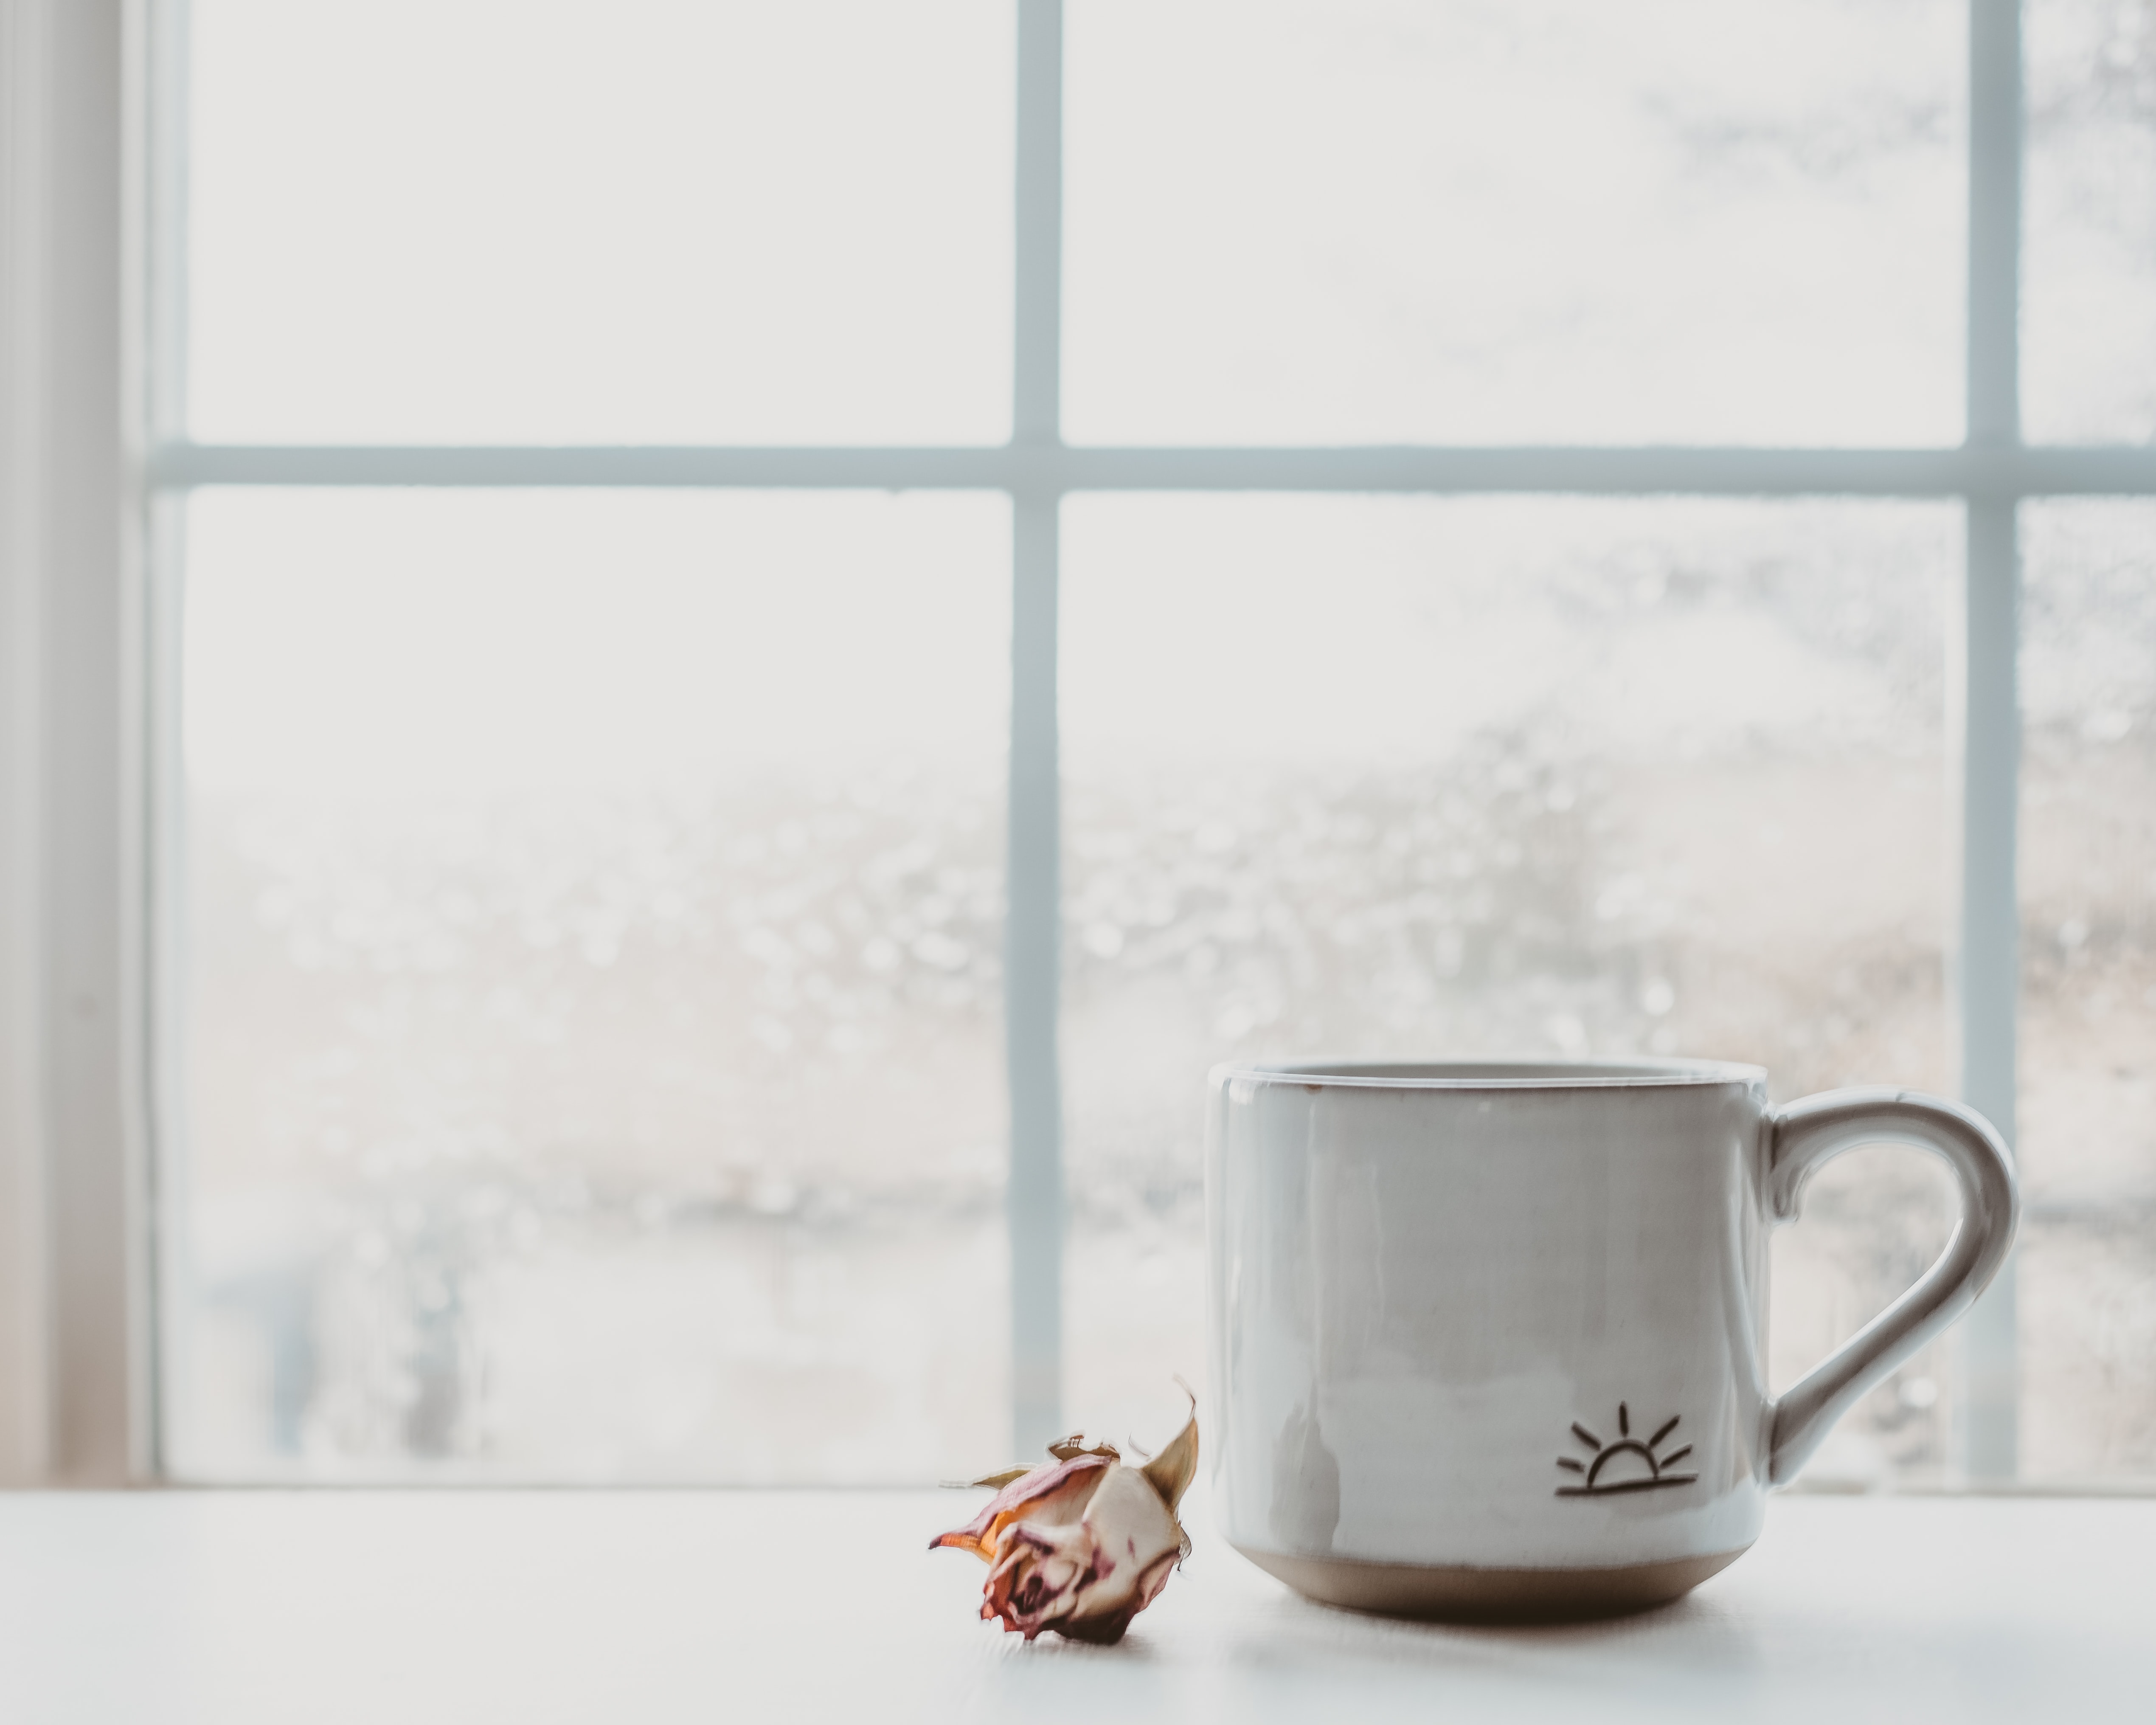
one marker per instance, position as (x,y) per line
(1622,1461)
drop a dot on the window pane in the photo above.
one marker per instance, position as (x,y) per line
(2088,990)
(1409,777)
(2088,267)
(1530,220)
(641,221)
(591,1060)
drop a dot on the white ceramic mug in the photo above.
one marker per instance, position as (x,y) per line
(1489,1340)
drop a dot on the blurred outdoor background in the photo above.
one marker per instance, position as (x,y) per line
(583,909)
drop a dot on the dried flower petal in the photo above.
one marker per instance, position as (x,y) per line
(1082,1544)
(1171,1472)
(1065,1448)
(1051,1495)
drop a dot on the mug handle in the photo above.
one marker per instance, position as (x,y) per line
(1818,1128)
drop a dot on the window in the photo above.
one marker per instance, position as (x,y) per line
(772,625)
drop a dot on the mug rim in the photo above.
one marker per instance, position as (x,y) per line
(1492,1073)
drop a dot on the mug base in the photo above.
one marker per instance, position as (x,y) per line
(1471,1594)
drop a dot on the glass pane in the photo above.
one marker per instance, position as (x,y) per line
(1408,777)
(2087,1136)
(1530,220)
(2088,264)
(643,221)
(590,914)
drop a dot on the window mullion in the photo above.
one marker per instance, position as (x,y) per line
(1608,471)
(1983,729)
(1032,934)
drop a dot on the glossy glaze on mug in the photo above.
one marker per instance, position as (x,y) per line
(1513,1317)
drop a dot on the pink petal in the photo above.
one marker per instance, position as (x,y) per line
(1055,1493)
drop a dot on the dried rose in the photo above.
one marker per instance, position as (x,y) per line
(1082,1544)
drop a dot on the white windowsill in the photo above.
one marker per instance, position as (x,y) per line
(645,1607)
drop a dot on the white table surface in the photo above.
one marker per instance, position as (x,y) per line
(231,1608)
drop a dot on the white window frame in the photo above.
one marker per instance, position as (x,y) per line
(88,237)
(75,1359)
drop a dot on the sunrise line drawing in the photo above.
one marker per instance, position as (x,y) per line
(1592,1485)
